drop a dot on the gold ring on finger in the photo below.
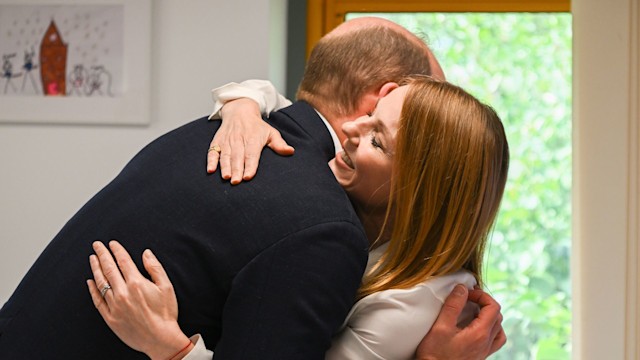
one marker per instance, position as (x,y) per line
(215,148)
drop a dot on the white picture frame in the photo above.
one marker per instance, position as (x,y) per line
(131,105)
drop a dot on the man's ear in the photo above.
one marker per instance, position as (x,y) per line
(387,88)
(370,100)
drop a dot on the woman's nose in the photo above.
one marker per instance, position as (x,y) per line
(350,129)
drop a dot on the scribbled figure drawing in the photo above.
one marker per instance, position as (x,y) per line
(28,66)
(77,79)
(97,78)
(7,72)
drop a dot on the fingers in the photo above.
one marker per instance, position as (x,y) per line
(498,341)
(489,319)
(230,157)
(127,267)
(105,268)
(497,327)
(498,336)
(252,152)
(489,307)
(241,141)
(103,283)
(482,298)
(251,162)
(212,157)
(241,160)
(95,286)
(98,301)
(247,166)
(225,161)
(278,145)
(238,149)
(453,305)
(155,269)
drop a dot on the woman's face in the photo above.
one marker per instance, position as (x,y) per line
(363,168)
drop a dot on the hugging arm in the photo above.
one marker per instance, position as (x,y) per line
(143,314)
(481,338)
(285,304)
(243,134)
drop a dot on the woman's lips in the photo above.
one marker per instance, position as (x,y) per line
(347,159)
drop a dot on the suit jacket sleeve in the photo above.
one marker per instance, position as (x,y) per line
(289,301)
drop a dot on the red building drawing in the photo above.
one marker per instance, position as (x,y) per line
(53,62)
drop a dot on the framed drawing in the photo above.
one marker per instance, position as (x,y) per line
(75,61)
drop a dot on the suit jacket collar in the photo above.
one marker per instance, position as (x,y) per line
(309,120)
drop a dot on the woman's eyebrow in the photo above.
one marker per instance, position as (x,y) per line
(381,126)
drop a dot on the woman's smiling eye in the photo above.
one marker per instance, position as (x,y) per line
(375,141)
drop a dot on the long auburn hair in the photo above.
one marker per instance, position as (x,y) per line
(449,174)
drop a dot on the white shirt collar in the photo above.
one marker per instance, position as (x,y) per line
(334,136)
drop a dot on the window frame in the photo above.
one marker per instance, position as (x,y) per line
(324,15)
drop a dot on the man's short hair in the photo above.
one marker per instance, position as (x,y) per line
(342,68)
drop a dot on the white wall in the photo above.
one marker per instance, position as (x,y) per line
(48,172)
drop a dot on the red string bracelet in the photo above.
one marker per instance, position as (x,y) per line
(181,350)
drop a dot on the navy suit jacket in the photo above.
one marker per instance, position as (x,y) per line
(267,269)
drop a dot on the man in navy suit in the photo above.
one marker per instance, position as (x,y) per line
(265,270)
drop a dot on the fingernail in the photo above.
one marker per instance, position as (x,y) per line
(148,254)
(458,290)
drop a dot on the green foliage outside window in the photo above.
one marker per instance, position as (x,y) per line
(520,63)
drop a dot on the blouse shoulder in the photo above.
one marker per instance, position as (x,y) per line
(390,324)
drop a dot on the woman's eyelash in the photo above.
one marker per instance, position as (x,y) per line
(375,142)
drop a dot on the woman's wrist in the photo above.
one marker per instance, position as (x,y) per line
(171,348)
(184,351)
(240,106)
